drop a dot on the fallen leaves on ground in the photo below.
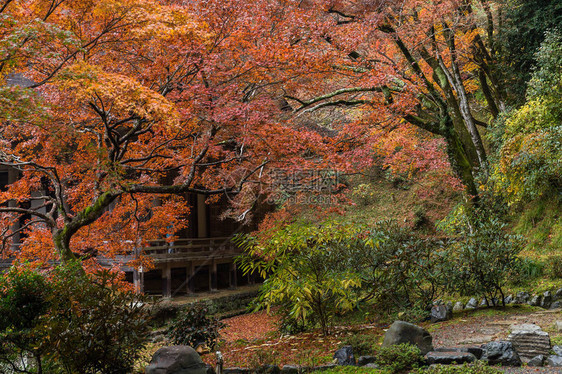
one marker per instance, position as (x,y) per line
(253,340)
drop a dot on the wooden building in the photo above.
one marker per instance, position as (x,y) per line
(201,260)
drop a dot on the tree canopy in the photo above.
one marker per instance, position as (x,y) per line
(129,105)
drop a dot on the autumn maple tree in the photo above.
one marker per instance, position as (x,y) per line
(128,106)
(412,63)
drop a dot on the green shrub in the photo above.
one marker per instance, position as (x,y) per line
(399,358)
(478,368)
(400,269)
(529,269)
(362,344)
(555,266)
(309,275)
(318,271)
(414,314)
(23,300)
(195,326)
(94,325)
(484,256)
(70,322)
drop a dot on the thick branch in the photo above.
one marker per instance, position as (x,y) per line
(32,212)
(307,103)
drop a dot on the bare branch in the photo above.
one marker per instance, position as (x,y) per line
(32,212)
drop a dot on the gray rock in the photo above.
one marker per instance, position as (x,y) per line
(476,351)
(439,313)
(236,370)
(508,299)
(472,304)
(546,300)
(268,369)
(364,360)
(344,356)
(483,303)
(557,350)
(500,352)
(458,307)
(558,294)
(290,369)
(535,300)
(449,358)
(404,332)
(529,341)
(536,361)
(176,359)
(554,360)
(558,325)
(556,305)
(522,297)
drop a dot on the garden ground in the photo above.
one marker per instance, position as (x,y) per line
(253,339)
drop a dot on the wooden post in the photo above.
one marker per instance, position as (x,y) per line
(233,280)
(138,281)
(167,280)
(213,276)
(190,275)
(201,216)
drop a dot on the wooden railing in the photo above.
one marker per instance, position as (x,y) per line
(190,249)
(180,250)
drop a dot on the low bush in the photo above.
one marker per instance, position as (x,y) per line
(555,266)
(478,368)
(67,321)
(362,344)
(94,324)
(195,326)
(529,269)
(399,358)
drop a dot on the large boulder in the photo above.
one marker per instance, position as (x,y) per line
(176,359)
(404,332)
(344,356)
(500,352)
(529,341)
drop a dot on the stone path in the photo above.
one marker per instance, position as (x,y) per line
(484,326)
